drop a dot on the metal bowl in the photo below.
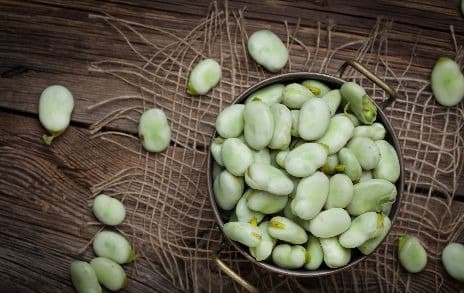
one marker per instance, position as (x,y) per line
(335,83)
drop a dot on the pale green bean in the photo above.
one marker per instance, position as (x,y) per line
(295,121)
(311,195)
(330,223)
(358,102)
(411,254)
(236,156)
(314,254)
(333,100)
(447,82)
(259,124)
(217,169)
(84,278)
(204,76)
(375,131)
(388,167)
(267,49)
(338,133)
(288,256)
(216,150)
(108,210)
(268,178)
(109,274)
(245,233)
(295,95)
(373,195)
(314,119)
(56,104)
(305,159)
(366,175)
(114,246)
(282,127)
(264,249)
(351,166)
(332,165)
(335,255)
(366,151)
(244,214)
(227,190)
(364,227)
(340,191)
(265,202)
(453,260)
(269,95)
(229,122)
(262,156)
(280,158)
(319,89)
(154,130)
(370,245)
(286,230)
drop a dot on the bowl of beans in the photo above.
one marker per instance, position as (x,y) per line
(305,173)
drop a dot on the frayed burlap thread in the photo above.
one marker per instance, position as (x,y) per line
(170,219)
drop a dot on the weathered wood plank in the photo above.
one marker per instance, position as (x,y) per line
(45,210)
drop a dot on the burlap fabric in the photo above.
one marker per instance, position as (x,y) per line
(171,222)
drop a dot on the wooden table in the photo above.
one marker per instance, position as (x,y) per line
(44,42)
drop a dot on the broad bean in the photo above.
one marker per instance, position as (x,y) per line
(411,254)
(284,229)
(236,156)
(372,196)
(295,121)
(268,178)
(217,169)
(388,167)
(262,156)
(362,228)
(366,151)
(335,255)
(84,278)
(227,190)
(314,254)
(333,100)
(245,233)
(289,256)
(109,274)
(359,102)
(203,77)
(264,249)
(56,104)
(282,126)
(370,245)
(352,118)
(269,95)
(267,49)
(295,95)
(352,168)
(366,175)
(114,246)
(375,131)
(311,195)
(265,202)
(280,158)
(216,150)
(259,124)
(229,122)
(154,130)
(314,119)
(332,165)
(244,214)
(305,159)
(338,133)
(108,210)
(330,223)
(319,89)
(447,81)
(453,260)
(340,191)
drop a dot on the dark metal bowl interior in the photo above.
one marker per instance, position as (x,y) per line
(221,216)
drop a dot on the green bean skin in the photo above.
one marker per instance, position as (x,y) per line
(289,257)
(229,122)
(411,254)
(84,278)
(453,260)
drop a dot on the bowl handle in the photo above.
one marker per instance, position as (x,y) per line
(374,78)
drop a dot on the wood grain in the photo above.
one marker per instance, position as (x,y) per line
(45,210)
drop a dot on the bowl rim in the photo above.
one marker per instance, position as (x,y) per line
(298,77)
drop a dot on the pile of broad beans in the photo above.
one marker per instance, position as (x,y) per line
(303,174)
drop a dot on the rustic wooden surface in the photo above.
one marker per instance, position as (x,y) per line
(47,42)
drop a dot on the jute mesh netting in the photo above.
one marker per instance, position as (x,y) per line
(171,221)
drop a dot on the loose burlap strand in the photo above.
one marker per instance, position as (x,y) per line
(171,222)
